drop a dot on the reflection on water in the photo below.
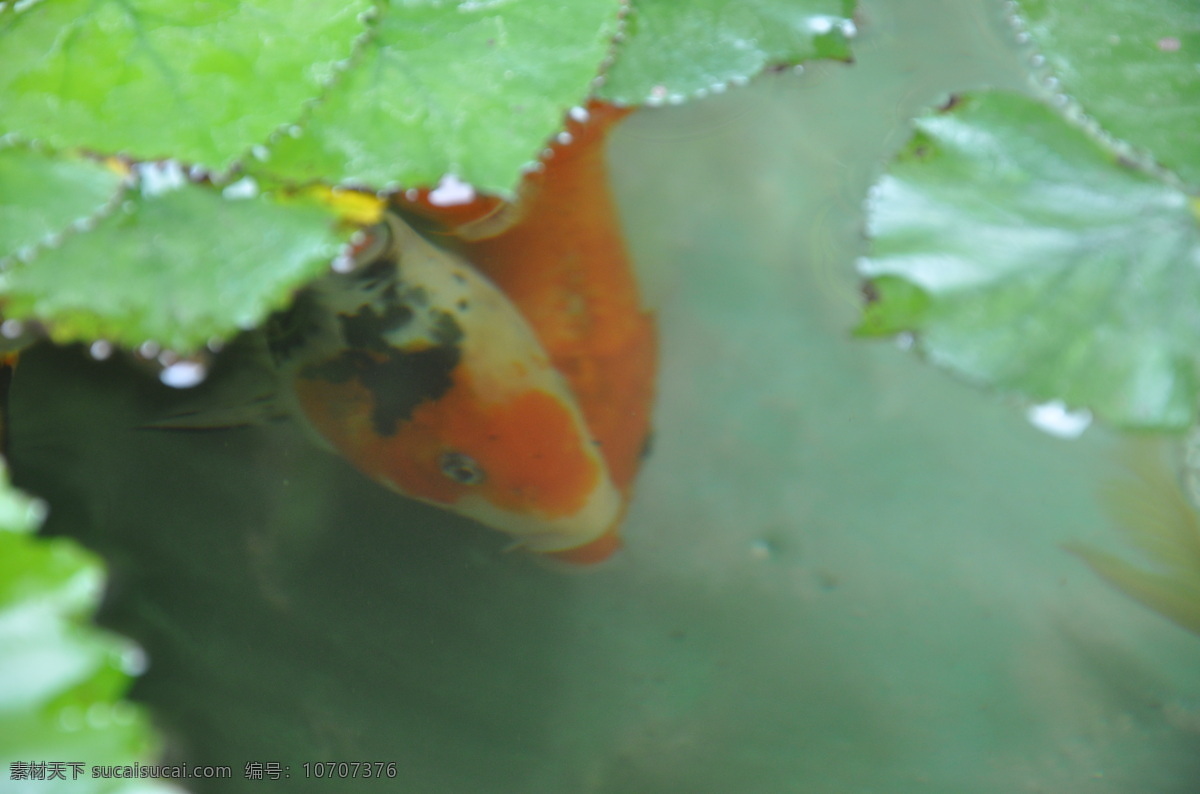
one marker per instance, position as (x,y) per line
(843,569)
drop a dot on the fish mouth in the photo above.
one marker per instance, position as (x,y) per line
(594,551)
(586,536)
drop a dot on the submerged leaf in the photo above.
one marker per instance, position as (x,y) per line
(178,267)
(1155,515)
(1051,266)
(201,82)
(674,50)
(472,89)
(1132,65)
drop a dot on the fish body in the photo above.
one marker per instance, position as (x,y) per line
(420,372)
(557,253)
(506,373)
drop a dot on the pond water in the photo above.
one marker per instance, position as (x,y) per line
(843,569)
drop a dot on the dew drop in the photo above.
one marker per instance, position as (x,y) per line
(260,152)
(184,374)
(342,263)
(37,509)
(123,714)
(1168,44)
(564,137)
(101,349)
(98,715)
(149,349)
(159,178)
(134,660)
(820,25)
(1056,419)
(11,329)
(244,188)
(578,113)
(70,719)
(451,191)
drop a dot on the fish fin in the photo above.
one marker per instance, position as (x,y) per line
(263,409)
(516,545)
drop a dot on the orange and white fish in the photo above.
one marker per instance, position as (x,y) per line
(509,380)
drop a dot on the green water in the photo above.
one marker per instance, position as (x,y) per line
(843,570)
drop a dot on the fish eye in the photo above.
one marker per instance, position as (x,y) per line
(461,468)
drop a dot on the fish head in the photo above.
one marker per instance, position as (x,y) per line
(423,375)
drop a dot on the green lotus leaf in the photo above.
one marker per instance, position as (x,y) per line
(671,51)
(177,267)
(472,89)
(201,82)
(1133,66)
(1050,265)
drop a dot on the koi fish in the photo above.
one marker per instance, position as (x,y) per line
(507,375)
